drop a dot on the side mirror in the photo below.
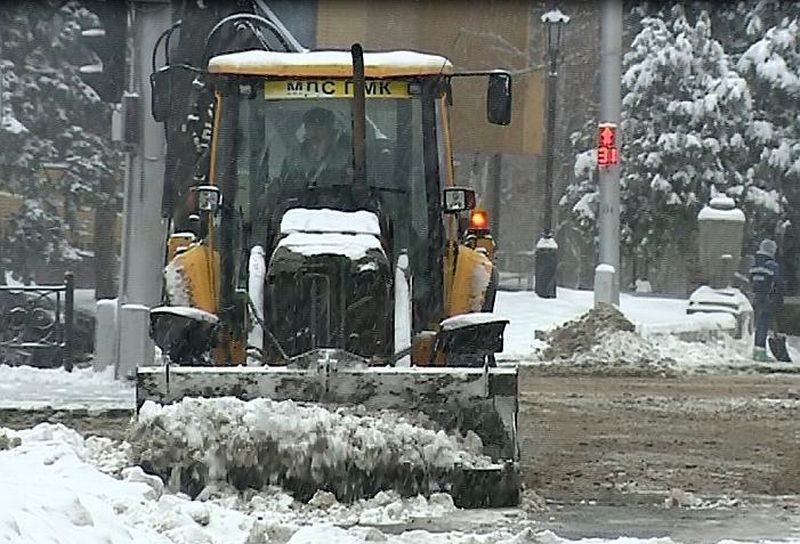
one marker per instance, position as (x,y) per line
(160,92)
(498,99)
(458,199)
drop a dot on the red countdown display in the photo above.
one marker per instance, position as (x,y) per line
(607,151)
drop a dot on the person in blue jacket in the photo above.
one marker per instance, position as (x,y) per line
(767,286)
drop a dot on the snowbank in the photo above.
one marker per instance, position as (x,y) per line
(528,313)
(26,387)
(601,341)
(80,503)
(303,448)
(601,344)
(54,493)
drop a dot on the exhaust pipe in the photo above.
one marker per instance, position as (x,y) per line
(359,113)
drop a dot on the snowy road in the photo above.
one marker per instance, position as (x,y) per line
(84,502)
(606,451)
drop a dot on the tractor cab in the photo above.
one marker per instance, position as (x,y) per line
(285,146)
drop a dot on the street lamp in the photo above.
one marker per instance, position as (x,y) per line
(547,248)
(55,172)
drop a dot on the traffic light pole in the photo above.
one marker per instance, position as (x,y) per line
(607,275)
(144,230)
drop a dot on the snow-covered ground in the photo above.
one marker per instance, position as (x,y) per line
(61,488)
(528,313)
(94,493)
(25,387)
(657,320)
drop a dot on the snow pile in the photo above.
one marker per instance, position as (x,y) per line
(8,440)
(387,508)
(528,313)
(278,515)
(625,353)
(585,333)
(603,341)
(678,498)
(51,494)
(302,448)
(109,456)
(79,503)
(724,349)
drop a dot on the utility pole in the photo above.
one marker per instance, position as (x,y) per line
(144,230)
(607,274)
(2,89)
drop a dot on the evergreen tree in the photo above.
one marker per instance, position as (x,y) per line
(49,115)
(685,112)
(772,67)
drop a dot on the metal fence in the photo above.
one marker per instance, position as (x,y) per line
(37,324)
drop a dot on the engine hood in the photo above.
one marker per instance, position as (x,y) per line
(309,234)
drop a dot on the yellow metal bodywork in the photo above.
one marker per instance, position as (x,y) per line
(198,268)
(486,243)
(467,266)
(471,277)
(178,241)
(283,89)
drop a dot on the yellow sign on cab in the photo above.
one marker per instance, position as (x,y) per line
(333,88)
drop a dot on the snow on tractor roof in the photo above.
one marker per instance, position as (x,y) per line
(329,64)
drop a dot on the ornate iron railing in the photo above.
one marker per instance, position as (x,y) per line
(38,319)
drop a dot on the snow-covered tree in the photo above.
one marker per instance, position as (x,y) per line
(685,112)
(772,67)
(49,115)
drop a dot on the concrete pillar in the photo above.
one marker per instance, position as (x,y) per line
(138,348)
(144,230)
(104,333)
(605,285)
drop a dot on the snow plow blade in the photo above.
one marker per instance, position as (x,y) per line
(456,399)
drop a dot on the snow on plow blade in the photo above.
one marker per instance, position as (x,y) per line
(457,399)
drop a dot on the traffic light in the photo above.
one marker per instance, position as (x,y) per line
(607,150)
(109,43)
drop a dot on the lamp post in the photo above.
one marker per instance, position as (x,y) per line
(55,172)
(547,248)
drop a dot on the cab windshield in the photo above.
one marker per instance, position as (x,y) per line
(295,148)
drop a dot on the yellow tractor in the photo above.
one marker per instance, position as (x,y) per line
(334,260)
